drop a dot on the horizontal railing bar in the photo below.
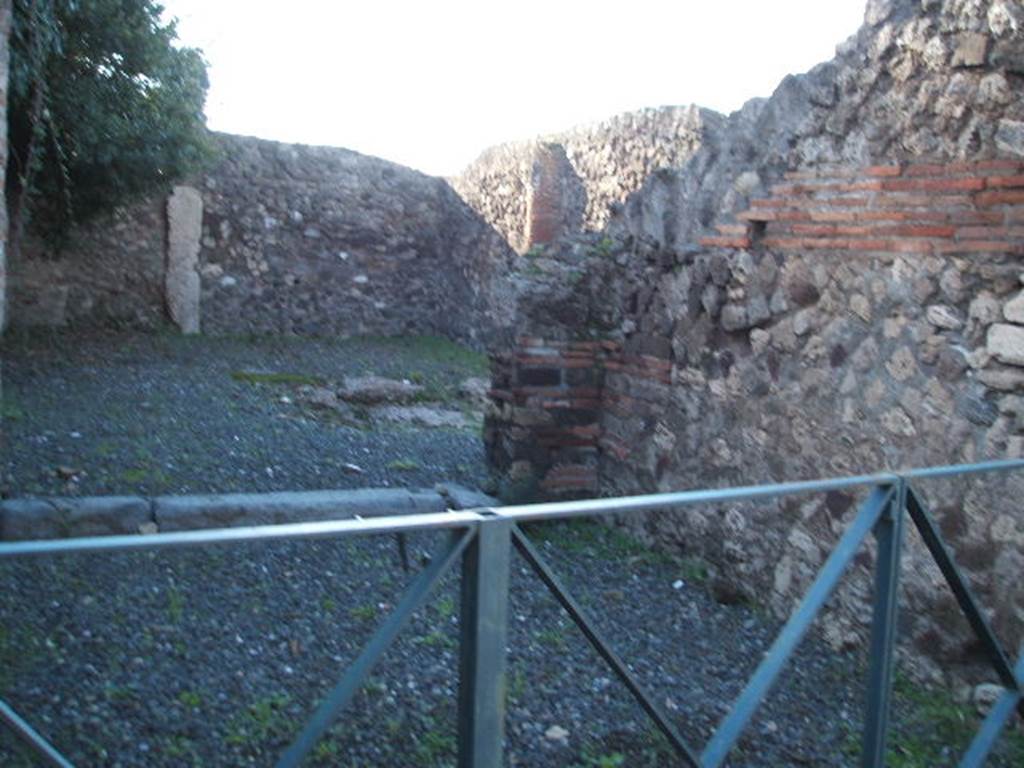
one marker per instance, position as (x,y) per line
(994,724)
(444,520)
(324,529)
(32,737)
(953,470)
(565,509)
(555,510)
(793,632)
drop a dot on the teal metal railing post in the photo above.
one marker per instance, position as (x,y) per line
(483,645)
(889,535)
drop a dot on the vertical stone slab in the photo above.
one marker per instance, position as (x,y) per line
(5,58)
(184,228)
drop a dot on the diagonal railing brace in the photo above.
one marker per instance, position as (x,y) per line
(576,613)
(824,585)
(997,719)
(356,674)
(962,592)
(32,737)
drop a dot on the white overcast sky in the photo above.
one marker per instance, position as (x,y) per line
(430,84)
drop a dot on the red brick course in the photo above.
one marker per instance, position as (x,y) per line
(919,209)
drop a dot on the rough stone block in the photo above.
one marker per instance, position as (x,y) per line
(1002,379)
(66,517)
(1013,310)
(945,317)
(182,513)
(970,51)
(734,317)
(1006,343)
(1010,136)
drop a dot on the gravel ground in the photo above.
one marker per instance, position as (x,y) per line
(215,657)
(173,414)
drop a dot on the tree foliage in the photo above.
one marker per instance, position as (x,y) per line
(104,107)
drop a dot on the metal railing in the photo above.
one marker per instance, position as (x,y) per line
(484,540)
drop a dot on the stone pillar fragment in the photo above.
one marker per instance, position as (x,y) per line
(181,283)
(556,198)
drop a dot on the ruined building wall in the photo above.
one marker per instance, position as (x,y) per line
(920,79)
(319,240)
(111,274)
(535,191)
(738,327)
(293,239)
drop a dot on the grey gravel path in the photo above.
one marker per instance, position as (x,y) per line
(168,414)
(215,657)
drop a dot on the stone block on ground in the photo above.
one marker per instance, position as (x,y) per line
(66,517)
(370,390)
(460,497)
(181,513)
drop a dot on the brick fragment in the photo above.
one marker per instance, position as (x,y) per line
(732,229)
(836,216)
(926,169)
(976,217)
(725,242)
(837,229)
(757,215)
(532,341)
(1006,181)
(883,216)
(984,233)
(792,216)
(883,170)
(1001,197)
(911,230)
(788,189)
(986,166)
(589,346)
(980,246)
(934,185)
(772,202)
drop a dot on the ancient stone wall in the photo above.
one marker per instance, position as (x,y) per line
(557,185)
(294,239)
(931,79)
(112,274)
(316,240)
(773,358)
(861,315)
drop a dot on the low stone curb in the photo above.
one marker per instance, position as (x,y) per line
(67,517)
